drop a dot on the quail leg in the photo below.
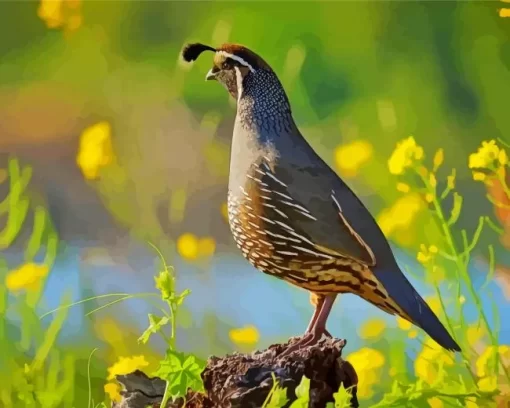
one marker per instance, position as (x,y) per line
(316,300)
(317,326)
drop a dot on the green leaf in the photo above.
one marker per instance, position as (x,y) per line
(179,299)
(165,284)
(155,325)
(302,393)
(278,397)
(342,397)
(181,372)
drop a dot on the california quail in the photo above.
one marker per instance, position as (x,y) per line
(292,216)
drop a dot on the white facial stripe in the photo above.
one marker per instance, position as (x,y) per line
(239,79)
(236,58)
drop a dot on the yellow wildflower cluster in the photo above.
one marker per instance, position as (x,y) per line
(61,14)
(124,365)
(29,276)
(190,247)
(244,336)
(368,364)
(401,215)
(487,380)
(405,155)
(431,360)
(425,255)
(489,156)
(407,326)
(434,304)
(350,157)
(372,329)
(96,150)
(438,159)
(475,334)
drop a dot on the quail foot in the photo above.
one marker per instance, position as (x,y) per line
(292,216)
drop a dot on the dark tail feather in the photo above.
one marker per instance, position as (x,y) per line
(402,292)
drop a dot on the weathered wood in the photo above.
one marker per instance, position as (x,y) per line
(244,380)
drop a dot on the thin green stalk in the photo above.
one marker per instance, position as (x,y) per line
(462,267)
(90,403)
(89,299)
(166,395)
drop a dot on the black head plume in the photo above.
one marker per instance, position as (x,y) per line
(192,51)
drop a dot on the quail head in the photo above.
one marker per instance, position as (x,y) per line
(292,216)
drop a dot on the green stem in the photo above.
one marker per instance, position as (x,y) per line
(166,396)
(173,325)
(462,270)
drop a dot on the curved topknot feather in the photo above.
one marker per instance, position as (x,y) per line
(191,52)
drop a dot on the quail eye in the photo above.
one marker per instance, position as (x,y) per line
(225,65)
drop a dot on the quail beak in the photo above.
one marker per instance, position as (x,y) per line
(211,75)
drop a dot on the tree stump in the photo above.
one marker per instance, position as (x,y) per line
(244,380)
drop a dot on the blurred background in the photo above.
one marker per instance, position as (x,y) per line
(109,141)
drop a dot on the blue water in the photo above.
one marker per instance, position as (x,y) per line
(238,294)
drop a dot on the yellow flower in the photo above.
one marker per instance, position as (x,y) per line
(477,176)
(450,180)
(502,157)
(429,197)
(486,358)
(113,391)
(434,303)
(350,157)
(206,246)
(435,402)
(488,384)
(28,276)
(471,403)
(423,257)
(404,156)
(489,156)
(187,246)
(462,300)
(124,365)
(403,187)
(248,335)
(96,150)
(425,254)
(432,180)
(368,363)
(403,323)
(372,329)
(60,13)
(438,158)
(504,12)
(401,214)
(429,361)
(412,334)
(191,247)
